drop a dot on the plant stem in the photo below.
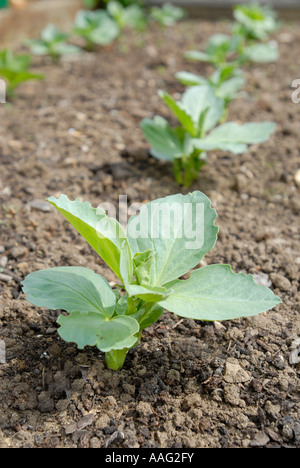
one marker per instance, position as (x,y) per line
(187,168)
(90,45)
(115,358)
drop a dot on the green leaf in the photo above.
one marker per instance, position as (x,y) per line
(234,137)
(103,233)
(176,107)
(147,293)
(38,47)
(228,88)
(197,56)
(93,329)
(142,266)
(255,21)
(106,33)
(96,26)
(74,289)
(179,229)
(216,293)
(167,14)
(52,34)
(199,101)
(63,48)
(149,315)
(121,306)
(166,144)
(16,78)
(262,53)
(190,79)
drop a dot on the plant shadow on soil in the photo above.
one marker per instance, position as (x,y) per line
(188,384)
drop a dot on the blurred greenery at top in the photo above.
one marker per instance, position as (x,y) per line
(91,4)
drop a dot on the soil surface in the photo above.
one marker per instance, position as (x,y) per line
(188,384)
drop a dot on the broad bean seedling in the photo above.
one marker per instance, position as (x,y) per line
(166,240)
(14,69)
(53,43)
(199,113)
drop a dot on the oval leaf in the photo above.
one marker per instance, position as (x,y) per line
(179,229)
(93,330)
(71,289)
(202,100)
(216,293)
(235,137)
(103,233)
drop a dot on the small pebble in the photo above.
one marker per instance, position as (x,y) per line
(5,278)
(3,261)
(280,282)
(40,205)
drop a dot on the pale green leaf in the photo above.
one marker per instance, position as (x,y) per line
(147,293)
(190,79)
(179,229)
(94,330)
(199,100)
(186,119)
(197,56)
(70,288)
(103,233)
(165,143)
(262,53)
(235,137)
(143,265)
(216,293)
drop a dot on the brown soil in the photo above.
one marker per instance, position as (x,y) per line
(188,384)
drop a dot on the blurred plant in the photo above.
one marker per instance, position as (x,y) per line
(167,15)
(227,80)
(253,25)
(254,21)
(14,69)
(224,49)
(199,113)
(132,16)
(95,27)
(94,4)
(219,50)
(52,43)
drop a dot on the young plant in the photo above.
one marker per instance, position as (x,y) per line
(52,43)
(167,15)
(167,239)
(224,50)
(259,53)
(219,50)
(95,27)
(199,113)
(131,16)
(254,21)
(227,81)
(14,69)
(253,24)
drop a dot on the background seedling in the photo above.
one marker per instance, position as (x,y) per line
(219,50)
(96,28)
(14,69)
(199,113)
(254,21)
(227,80)
(131,16)
(167,15)
(253,25)
(52,43)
